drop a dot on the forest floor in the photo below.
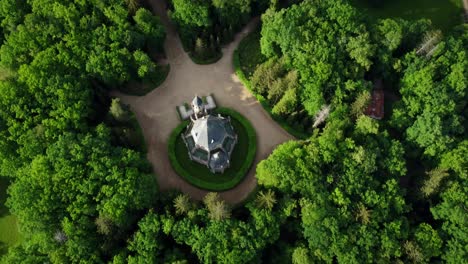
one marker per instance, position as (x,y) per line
(157,115)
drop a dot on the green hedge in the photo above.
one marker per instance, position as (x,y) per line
(237,174)
(240,74)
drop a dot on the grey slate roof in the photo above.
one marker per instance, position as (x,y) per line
(219,160)
(208,132)
(210,140)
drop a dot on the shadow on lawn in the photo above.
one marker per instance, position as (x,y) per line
(3,248)
(3,196)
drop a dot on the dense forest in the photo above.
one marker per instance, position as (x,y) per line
(358,190)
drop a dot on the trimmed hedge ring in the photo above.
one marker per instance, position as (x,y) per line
(240,172)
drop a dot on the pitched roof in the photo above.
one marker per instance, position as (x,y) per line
(209,132)
(197,101)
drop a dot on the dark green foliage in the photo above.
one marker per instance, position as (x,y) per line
(228,240)
(351,193)
(79,179)
(205,25)
(75,189)
(351,200)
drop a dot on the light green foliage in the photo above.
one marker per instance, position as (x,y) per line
(452,207)
(360,104)
(434,91)
(433,181)
(281,86)
(363,214)
(99,43)
(217,209)
(266,199)
(210,199)
(147,244)
(319,38)
(413,252)
(266,74)
(287,104)
(367,125)
(144,65)
(391,33)
(192,13)
(104,225)
(361,50)
(151,27)
(118,110)
(301,256)
(182,204)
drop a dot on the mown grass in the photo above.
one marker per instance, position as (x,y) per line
(444,14)
(9,234)
(250,55)
(199,175)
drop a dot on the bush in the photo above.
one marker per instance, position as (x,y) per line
(237,174)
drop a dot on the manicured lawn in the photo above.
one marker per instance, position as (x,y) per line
(9,235)
(444,13)
(250,55)
(199,175)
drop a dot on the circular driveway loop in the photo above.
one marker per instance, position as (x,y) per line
(157,115)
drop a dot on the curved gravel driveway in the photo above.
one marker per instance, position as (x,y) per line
(156,111)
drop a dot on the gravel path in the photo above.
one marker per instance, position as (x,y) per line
(156,112)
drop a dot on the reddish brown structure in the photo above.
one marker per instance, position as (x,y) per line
(375,109)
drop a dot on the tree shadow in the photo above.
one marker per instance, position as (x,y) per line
(4,182)
(3,248)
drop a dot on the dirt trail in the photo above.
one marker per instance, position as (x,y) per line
(156,111)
